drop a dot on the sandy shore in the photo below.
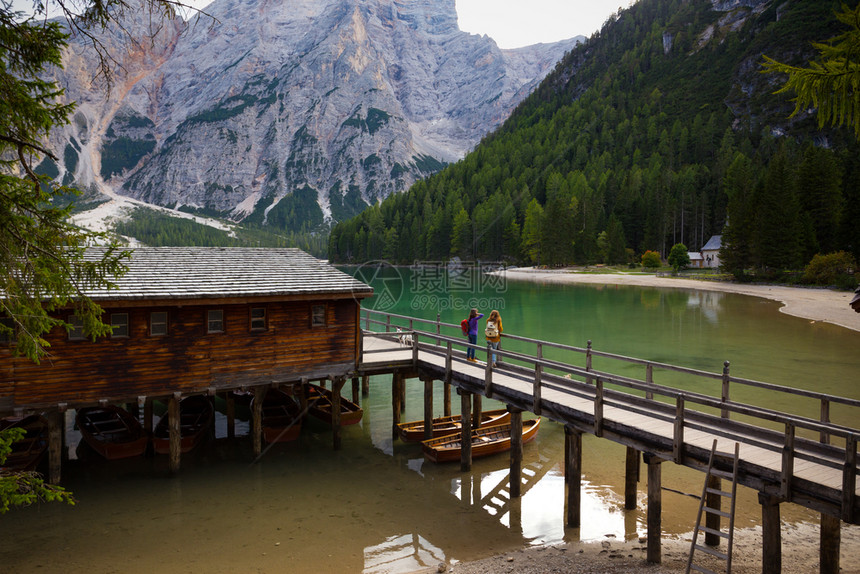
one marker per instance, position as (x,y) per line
(815,304)
(799,556)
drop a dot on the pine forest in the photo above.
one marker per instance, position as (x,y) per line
(663,128)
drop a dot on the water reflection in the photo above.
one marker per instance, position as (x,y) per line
(377,506)
(406,553)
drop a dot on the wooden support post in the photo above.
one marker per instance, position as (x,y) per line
(712,520)
(147,415)
(337,384)
(465,431)
(724,395)
(488,375)
(588,361)
(573,475)
(257,419)
(831,537)
(771,535)
(598,408)
(395,403)
(649,379)
(231,414)
(787,475)
(477,409)
(55,446)
(655,509)
(631,478)
(515,478)
(446,399)
(849,478)
(355,398)
(304,393)
(536,401)
(824,436)
(174,430)
(678,436)
(402,394)
(365,385)
(428,408)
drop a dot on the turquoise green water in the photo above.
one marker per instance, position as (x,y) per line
(376,505)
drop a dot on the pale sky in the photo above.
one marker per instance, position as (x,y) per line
(516,23)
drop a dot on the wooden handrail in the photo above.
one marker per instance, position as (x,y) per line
(589,352)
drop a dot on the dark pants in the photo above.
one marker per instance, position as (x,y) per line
(470,352)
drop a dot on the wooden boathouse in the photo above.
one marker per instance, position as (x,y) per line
(190,321)
(785,457)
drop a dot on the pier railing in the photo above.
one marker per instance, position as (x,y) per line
(718,415)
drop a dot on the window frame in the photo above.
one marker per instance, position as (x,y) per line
(313,319)
(76,333)
(114,325)
(252,319)
(210,320)
(152,323)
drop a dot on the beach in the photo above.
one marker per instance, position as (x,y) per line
(610,556)
(800,542)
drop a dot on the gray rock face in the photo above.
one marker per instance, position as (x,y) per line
(338,101)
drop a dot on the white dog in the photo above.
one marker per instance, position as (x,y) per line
(404,338)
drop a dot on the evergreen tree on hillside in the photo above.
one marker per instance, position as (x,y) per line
(739,183)
(778,226)
(819,182)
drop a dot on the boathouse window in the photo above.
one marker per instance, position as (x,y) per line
(258,318)
(76,332)
(215,321)
(119,325)
(158,323)
(318,316)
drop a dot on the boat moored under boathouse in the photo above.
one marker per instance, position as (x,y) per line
(195,321)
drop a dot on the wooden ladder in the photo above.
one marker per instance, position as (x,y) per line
(718,512)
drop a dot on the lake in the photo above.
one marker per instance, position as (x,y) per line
(376,506)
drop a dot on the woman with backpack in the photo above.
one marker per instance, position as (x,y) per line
(472,334)
(493,333)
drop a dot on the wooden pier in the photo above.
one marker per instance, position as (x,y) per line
(785,457)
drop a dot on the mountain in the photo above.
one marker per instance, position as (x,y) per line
(658,130)
(283,112)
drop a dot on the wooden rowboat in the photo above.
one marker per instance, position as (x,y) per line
(30,450)
(319,405)
(196,415)
(485,441)
(112,432)
(282,417)
(442,426)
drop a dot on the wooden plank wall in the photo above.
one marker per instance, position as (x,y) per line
(188,359)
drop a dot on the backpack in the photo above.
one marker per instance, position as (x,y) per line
(491,331)
(464,324)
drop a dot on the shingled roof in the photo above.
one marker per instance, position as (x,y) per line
(218,272)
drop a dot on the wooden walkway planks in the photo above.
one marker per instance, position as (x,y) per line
(649,427)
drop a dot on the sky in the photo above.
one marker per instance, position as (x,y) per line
(517,23)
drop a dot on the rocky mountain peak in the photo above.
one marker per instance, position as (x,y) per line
(286,111)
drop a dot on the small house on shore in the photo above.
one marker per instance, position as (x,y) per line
(195,320)
(711,252)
